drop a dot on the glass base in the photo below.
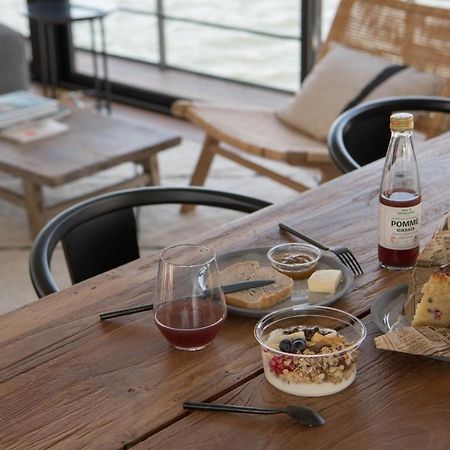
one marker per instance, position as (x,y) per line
(385,266)
(191,349)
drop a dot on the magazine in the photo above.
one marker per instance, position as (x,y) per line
(33,131)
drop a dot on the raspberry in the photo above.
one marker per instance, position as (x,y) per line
(277,364)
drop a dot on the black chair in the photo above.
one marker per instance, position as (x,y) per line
(101,233)
(361,134)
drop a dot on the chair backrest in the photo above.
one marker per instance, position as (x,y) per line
(399,31)
(361,134)
(100,234)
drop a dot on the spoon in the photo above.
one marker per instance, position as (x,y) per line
(300,413)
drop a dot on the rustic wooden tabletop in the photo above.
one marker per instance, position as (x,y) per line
(68,380)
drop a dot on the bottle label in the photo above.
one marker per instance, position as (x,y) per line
(399,227)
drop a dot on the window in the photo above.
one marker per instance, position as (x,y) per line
(12,15)
(162,46)
(233,39)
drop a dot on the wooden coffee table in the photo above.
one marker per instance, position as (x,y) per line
(93,143)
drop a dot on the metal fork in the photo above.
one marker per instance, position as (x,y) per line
(343,253)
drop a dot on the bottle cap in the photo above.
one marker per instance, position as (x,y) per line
(402,121)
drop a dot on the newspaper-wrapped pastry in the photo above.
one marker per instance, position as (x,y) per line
(435,254)
(425,340)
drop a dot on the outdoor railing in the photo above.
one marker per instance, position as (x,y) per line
(309,16)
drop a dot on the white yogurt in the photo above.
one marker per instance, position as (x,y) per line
(308,389)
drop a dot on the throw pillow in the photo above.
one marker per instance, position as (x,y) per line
(339,78)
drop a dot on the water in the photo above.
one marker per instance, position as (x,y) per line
(225,53)
(237,55)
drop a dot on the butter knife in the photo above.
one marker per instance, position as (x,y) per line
(227,289)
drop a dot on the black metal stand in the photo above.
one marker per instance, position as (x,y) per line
(47,16)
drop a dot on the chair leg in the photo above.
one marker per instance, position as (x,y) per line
(202,168)
(152,169)
(34,205)
(329,172)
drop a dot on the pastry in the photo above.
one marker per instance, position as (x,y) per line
(434,307)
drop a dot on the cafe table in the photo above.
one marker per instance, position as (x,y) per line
(69,381)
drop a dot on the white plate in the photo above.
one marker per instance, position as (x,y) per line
(300,294)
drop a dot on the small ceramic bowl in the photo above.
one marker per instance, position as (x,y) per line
(296,260)
(302,352)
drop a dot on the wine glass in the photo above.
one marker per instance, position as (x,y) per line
(190,306)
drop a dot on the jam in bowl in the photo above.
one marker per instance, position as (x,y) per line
(295,260)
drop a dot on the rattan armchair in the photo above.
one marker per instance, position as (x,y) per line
(402,32)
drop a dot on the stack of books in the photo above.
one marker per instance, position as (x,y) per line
(27,117)
(22,106)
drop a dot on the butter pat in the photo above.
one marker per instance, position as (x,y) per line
(325,281)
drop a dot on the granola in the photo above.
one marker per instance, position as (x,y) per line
(298,367)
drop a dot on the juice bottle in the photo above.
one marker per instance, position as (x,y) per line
(400,198)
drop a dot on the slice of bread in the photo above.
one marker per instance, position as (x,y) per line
(257,298)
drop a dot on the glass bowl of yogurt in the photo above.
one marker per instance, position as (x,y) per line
(310,351)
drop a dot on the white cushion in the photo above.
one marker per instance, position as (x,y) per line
(338,78)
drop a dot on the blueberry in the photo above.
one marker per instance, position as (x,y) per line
(298,345)
(285,345)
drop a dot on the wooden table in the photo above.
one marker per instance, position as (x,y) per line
(69,381)
(93,143)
